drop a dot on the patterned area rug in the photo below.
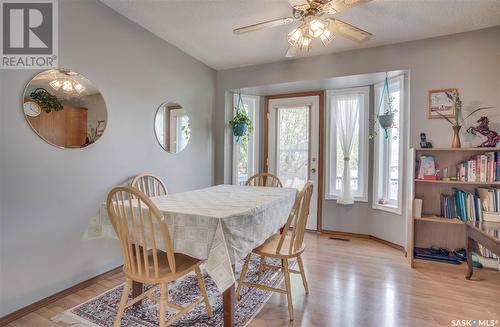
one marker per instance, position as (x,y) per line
(101,310)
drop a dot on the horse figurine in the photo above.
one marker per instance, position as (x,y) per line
(484,129)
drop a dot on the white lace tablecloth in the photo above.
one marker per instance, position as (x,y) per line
(221,223)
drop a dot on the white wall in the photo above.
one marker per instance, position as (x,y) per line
(468,61)
(48,194)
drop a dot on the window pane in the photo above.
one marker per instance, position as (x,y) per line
(394,147)
(244,148)
(387,157)
(293,146)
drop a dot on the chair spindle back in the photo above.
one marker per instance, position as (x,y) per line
(149,184)
(264,179)
(135,217)
(297,220)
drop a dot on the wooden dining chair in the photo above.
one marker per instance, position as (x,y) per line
(149,184)
(285,246)
(264,179)
(135,219)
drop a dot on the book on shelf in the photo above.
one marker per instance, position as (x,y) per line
(482,168)
(470,206)
(426,167)
(481,205)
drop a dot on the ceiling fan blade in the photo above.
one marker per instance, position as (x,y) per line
(349,31)
(259,26)
(334,6)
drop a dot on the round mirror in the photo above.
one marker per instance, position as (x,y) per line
(64,108)
(172,127)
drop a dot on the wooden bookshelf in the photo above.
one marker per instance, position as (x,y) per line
(455,182)
(441,220)
(457,150)
(431,229)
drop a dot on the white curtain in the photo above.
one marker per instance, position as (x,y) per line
(347,114)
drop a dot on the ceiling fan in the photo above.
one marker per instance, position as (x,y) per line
(314,25)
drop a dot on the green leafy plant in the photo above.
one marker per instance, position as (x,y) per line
(47,101)
(186,130)
(241,117)
(458,110)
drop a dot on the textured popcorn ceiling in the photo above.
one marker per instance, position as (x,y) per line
(203,28)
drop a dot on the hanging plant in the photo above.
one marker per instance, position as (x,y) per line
(386,118)
(241,124)
(46,101)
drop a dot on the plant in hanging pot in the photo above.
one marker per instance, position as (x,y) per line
(386,120)
(241,124)
(457,123)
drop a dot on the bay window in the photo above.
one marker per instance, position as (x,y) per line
(388,152)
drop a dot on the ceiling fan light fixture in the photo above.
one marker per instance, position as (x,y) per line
(326,37)
(79,88)
(305,43)
(67,86)
(316,27)
(294,36)
(55,84)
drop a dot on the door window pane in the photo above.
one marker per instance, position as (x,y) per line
(293,146)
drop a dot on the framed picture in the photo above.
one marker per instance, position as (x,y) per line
(440,103)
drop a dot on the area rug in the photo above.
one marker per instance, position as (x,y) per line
(101,310)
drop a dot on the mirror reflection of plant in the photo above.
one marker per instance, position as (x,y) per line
(47,101)
(186,130)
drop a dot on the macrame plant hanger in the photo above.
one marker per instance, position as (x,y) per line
(239,107)
(386,117)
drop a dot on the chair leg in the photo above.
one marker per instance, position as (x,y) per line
(203,290)
(288,288)
(243,275)
(163,303)
(123,302)
(303,274)
(261,265)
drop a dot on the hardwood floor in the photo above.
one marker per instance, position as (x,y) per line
(356,283)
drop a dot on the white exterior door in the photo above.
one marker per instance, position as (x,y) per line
(293,144)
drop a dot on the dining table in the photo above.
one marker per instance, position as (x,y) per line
(220,224)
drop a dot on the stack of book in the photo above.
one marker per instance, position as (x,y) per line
(469,206)
(482,168)
(463,205)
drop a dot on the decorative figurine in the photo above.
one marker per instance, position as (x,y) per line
(423,142)
(484,129)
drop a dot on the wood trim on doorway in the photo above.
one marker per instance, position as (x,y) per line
(321,145)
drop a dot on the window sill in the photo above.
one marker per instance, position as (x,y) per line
(388,208)
(356,198)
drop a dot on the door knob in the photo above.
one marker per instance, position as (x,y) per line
(313,170)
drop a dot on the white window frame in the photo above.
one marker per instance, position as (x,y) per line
(393,207)
(331,147)
(253,140)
